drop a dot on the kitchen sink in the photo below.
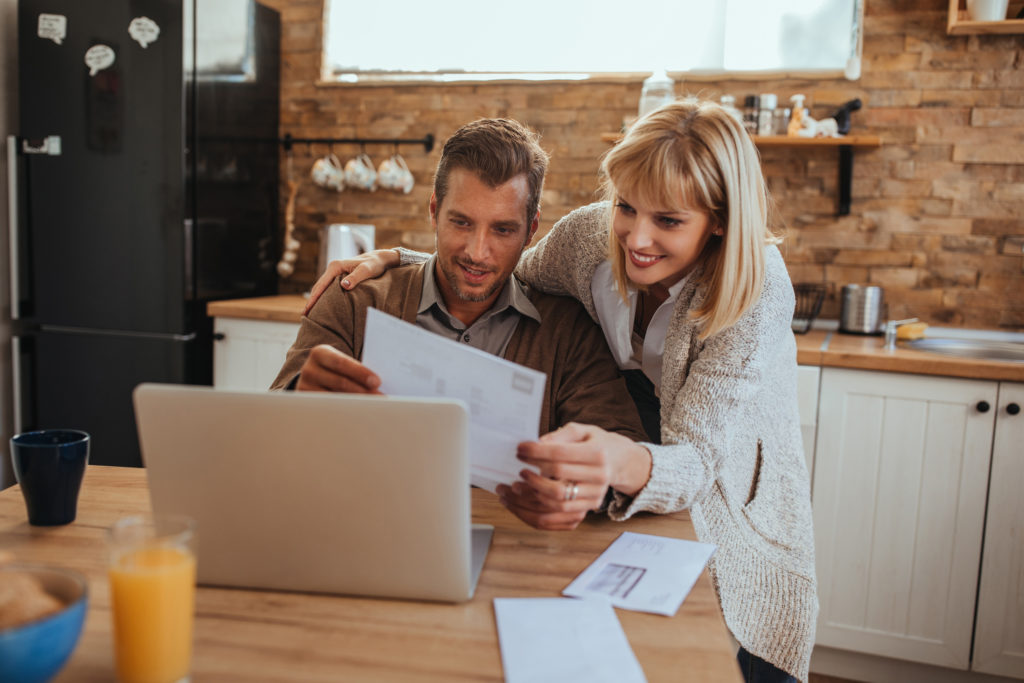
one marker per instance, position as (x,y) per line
(981,349)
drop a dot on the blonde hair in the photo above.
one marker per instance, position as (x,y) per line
(694,155)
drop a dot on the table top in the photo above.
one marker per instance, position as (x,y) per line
(248,635)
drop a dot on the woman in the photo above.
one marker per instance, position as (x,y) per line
(682,272)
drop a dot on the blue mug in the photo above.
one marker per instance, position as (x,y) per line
(49,466)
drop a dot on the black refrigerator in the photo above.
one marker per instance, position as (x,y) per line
(144,183)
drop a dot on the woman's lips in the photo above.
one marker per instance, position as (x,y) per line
(643,260)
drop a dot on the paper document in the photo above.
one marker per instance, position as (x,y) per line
(504,399)
(558,640)
(644,573)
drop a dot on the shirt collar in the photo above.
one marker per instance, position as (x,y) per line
(513,295)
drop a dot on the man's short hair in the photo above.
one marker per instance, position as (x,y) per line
(496,150)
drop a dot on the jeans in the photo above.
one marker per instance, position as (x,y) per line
(756,670)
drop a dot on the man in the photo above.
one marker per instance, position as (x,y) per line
(484,211)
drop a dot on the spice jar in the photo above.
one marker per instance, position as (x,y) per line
(766,114)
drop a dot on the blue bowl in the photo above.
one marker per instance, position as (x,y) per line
(35,651)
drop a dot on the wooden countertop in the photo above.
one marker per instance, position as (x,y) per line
(817,347)
(256,636)
(839,350)
(285,308)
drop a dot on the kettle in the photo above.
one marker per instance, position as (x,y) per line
(862,309)
(344,240)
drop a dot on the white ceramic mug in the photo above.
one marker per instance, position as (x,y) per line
(394,174)
(987,10)
(360,174)
(327,173)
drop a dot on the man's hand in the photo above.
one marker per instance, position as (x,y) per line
(366,266)
(328,369)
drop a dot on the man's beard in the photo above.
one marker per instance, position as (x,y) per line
(448,268)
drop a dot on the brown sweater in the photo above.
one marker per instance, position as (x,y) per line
(584,384)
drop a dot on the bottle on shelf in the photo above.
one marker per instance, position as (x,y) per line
(658,89)
(728,103)
(751,106)
(780,119)
(796,121)
(766,114)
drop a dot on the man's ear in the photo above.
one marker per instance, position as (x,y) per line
(433,210)
(533,227)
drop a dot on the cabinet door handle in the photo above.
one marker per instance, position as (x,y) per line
(218,336)
(1013,409)
(982,406)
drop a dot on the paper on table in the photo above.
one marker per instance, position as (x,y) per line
(504,398)
(644,573)
(557,640)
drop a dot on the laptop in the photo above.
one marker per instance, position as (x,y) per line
(316,492)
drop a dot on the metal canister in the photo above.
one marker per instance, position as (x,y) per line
(862,309)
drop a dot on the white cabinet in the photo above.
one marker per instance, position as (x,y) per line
(901,472)
(248,354)
(999,637)
(808,379)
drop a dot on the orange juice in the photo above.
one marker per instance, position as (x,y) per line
(152,595)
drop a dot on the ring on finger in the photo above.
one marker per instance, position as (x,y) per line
(572,489)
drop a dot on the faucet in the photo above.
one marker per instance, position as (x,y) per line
(890,332)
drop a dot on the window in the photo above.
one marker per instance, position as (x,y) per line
(455,40)
(225,40)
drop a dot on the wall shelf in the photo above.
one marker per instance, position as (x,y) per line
(861,141)
(845,145)
(958,24)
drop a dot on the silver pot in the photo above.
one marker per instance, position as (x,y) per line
(862,309)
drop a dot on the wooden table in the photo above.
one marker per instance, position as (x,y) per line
(244,635)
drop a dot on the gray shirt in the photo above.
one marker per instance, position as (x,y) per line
(490,332)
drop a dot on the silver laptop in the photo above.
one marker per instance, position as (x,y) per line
(327,493)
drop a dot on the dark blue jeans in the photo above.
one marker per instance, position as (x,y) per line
(756,670)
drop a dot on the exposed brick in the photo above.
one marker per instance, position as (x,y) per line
(998,226)
(905,188)
(937,210)
(1002,116)
(961,98)
(846,274)
(972,60)
(873,257)
(894,277)
(1013,246)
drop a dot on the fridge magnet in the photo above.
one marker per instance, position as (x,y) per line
(98,57)
(53,27)
(144,31)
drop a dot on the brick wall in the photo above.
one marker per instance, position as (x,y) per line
(937,217)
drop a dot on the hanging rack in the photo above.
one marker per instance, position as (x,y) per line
(427,141)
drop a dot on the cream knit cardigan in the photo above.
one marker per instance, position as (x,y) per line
(732,450)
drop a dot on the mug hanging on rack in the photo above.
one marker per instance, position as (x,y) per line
(360,174)
(328,173)
(394,174)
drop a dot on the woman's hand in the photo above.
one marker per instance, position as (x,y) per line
(366,266)
(577,464)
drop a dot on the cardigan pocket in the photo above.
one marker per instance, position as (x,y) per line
(768,509)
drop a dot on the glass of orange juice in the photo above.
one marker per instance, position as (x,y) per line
(152,595)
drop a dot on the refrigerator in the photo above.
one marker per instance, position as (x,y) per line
(143,183)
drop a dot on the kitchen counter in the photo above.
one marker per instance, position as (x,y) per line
(284,308)
(839,350)
(823,348)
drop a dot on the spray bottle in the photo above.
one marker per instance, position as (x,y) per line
(796,120)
